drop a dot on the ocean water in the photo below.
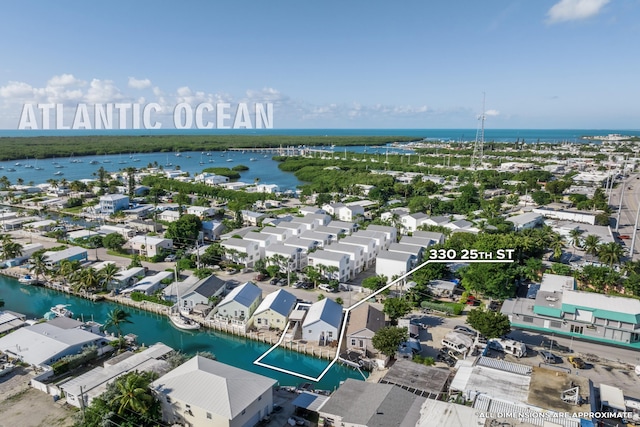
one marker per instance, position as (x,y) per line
(499,135)
(34,301)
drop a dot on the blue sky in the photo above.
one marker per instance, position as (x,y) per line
(334,64)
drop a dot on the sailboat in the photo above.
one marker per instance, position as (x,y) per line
(38,168)
(178,320)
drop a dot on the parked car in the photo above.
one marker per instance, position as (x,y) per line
(282,282)
(576,362)
(555,345)
(260,277)
(327,288)
(548,357)
(170,258)
(465,330)
(274,281)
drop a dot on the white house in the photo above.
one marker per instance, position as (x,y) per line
(320,238)
(238,306)
(415,251)
(294,227)
(263,240)
(345,226)
(150,246)
(297,256)
(205,393)
(525,220)
(112,203)
(281,234)
(201,212)
(331,259)
(435,237)
(350,213)
(369,245)
(394,214)
(305,245)
(391,232)
(437,220)
(252,218)
(242,251)
(322,322)
(169,215)
(355,253)
(411,222)
(381,239)
(150,284)
(391,264)
(274,310)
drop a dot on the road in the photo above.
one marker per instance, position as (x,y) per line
(630,203)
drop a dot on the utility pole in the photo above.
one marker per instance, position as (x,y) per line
(635,233)
(478,148)
(621,198)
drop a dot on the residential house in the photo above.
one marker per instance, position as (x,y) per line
(238,306)
(294,227)
(339,261)
(281,234)
(307,210)
(525,221)
(274,310)
(323,322)
(263,240)
(150,246)
(394,215)
(364,321)
(355,253)
(127,278)
(201,212)
(320,239)
(419,242)
(169,215)
(72,253)
(242,251)
(413,250)
(382,242)
(344,226)
(297,258)
(252,218)
(201,292)
(150,284)
(360,403)
(435,237)
(204,393)
(411,222)
(391,264)
(369,245)
(437,221)
(391,232)
(211,230)
(305,245)
(112,203)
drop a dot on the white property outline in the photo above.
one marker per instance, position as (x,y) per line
(258,361)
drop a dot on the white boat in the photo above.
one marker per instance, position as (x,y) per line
(27,280)
(253,159)
(61,310)
(5,368)
(58,173)
(183,323)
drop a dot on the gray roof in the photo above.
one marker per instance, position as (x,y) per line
(244,294)
(394,256)
(213,386)
(326,310)
(207,287)
(373,405)
(405,248)
(328,256)
(418,379)
(365,317)
(280,301)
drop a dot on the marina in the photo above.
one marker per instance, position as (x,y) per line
(151,327)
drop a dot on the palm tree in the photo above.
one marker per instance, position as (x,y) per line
(556,245)
(133,394)
(68,271)
(610,253)
(591,244)
(574,239)
(312,274)
(108,274)
(115,319)
(88,278)
(11,250)
(39,265)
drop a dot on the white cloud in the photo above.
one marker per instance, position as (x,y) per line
(574,10)
(64,80)
(19,90)
(492,113)
(139,84)
(102,91)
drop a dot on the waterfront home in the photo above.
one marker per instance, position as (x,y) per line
(41,226)
(210,178)
(391,264)
(203,392)
(150,246)
(45,343)
(138,212)
(322,322)
(242,251)
(127,278)
(238,306)
(83,389)
(360,403)
(331,259)
(72,253)
(199,294)
(10,320)
(364,321)
(27,251)
(355,253)
(112,203)
(150,284)
(274,310)
(557,308)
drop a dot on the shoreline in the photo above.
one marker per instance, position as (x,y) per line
(265,336)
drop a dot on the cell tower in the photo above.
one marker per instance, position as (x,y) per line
(478,148)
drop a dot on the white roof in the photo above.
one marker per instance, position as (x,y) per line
(602,302)
(193,383)
(612,397)
(328,256)
(557,283)
(326,310)
(148,240)
(245,295)
(40,343)
(280,301)
(55,256)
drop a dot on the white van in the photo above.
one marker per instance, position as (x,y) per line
(457,342)
(515,348)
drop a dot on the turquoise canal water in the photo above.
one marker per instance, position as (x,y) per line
(151,328)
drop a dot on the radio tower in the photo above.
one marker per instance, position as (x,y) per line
(478,148)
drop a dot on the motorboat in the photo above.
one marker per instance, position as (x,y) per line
(5,368)
(61,310)
(27,279)
(182,322)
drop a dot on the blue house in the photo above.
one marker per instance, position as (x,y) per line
(112,203)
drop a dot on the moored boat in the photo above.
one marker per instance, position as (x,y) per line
(27,279)
(61,310)
(182,322)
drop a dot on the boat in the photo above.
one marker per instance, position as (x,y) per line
(6,368)
(27,279)
(11,170)
(229,160)
(61,310)
(94,162)
(59,173)
(182,322)
(59,166)
(253,159)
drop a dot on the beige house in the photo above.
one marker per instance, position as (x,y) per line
(274,310)
(364,322)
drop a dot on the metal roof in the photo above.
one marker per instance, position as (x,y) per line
(326,310)
(310,401)
(280,301)
(213,386)
(244,294)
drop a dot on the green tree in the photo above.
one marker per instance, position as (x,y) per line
(591,244)
(108,274)
(133,394)
(116,318)
(39,265)
(387,340)
(396,308)
(185,230)
(610,253)
(557,244)
(113,242)
(491,324)
(491,279)
(375,282)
